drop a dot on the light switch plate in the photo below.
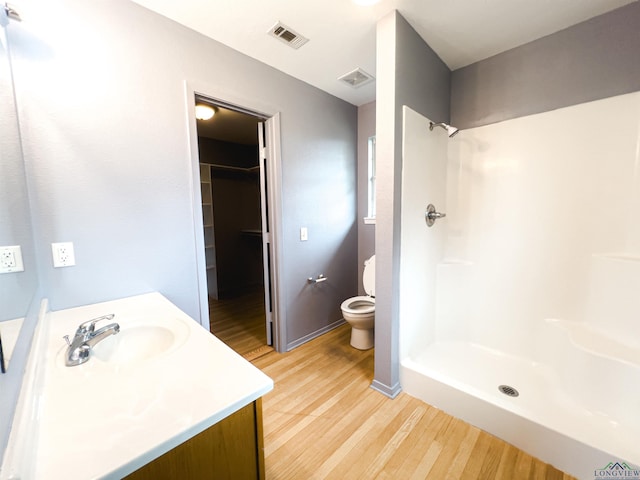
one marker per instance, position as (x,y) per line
(304,234)
(11,259)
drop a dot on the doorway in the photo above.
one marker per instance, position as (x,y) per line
(233,191)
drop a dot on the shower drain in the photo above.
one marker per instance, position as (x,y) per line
(508,390)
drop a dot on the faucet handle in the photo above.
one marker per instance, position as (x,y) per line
(90,325)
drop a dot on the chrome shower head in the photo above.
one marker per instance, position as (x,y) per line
(451,131)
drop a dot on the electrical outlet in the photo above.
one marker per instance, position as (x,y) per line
(63,255)
(11,259)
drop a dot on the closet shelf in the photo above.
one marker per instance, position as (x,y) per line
(235,169)
(251,232)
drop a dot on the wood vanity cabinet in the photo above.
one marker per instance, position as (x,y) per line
(231,449)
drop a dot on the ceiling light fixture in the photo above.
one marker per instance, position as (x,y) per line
(204,112)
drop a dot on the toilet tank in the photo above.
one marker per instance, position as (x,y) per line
(369,276)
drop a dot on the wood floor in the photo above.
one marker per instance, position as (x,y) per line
(323,421)
(240,323)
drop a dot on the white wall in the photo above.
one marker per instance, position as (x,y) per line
(542,222)
(424,178)
(424,173)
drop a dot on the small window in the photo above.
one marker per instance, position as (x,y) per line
(371,183)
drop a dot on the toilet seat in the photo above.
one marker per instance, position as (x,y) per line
(362,305)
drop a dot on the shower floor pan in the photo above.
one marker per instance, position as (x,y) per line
(544,420)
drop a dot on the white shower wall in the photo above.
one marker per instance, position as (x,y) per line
(531,280)
(541,210)
(424,173)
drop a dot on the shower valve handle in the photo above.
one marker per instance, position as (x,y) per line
(431,215)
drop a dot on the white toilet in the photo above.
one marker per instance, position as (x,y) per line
(360,311)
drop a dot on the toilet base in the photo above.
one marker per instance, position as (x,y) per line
(362,339)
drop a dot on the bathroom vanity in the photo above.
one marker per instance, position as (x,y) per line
(162,398)
(231,449)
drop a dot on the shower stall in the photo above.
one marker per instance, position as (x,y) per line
(520,310)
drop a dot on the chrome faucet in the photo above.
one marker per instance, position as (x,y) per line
(86,337)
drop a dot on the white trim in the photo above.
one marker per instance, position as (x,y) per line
(265,235)
(229,97)
(369,220)
(274,191)
(196,205)
(273,136)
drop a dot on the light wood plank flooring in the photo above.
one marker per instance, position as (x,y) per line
(323,421)
(240,323)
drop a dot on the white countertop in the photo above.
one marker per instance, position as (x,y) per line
(105,420)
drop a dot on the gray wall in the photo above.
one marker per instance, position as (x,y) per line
(408,73)
(101,98)
(101,92)
(595,59)
(366,232)
(16,288)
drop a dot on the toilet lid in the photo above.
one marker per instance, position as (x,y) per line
(369,276)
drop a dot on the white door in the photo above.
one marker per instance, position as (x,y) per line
(266,233)
(270,191)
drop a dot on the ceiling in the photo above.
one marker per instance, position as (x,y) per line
(229,126)
(342,34)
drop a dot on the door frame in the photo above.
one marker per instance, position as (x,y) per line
(273,185)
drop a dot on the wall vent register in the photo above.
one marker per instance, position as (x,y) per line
(356,78)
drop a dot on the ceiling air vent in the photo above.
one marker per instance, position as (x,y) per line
(356,78)
(287,35)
